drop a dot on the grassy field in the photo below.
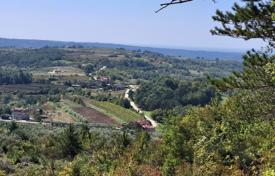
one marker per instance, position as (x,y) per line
(56,113)
(119,113)
(60,73)
(147,113)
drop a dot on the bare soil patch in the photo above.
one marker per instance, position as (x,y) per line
(94,116)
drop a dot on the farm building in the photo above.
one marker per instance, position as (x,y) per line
(140,124)
(76,85)
(145,124)
(104,79)
(54,72)
(19,114)
(119,87)
(5,116)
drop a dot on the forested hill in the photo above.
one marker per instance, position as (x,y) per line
(25,43)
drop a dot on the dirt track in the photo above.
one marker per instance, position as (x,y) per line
(136,108)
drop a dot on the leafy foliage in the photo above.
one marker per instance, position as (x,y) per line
(254,75)
(14,76)
(248,21)
(166,93)
(70,144)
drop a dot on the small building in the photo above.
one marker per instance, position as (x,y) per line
(104,79)
(76,85)
(119,87)
(54,72)
(5,117)
(19,114)
(145,124)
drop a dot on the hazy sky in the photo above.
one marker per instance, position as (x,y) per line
(118,21)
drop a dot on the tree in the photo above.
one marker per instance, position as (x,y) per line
(69,142)
(12,126)
(89,69)
(270,68)
(14,76)
(233,136)
(141,147)
(254,76)
(253,20)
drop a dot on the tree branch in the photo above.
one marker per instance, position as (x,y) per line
(173,2)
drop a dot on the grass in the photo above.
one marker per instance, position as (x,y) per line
(65,112)
(64,71)
(117,112)
(147,113)
(60,113)
(67,106)
(91,114)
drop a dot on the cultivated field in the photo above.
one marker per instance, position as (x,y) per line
(55,113)
(25,88)
(93,116)
(86,113)
(117,112)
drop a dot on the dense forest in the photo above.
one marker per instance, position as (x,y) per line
(14,76)
(166,93)
(30,57)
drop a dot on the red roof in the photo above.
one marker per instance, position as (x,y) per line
(145,123)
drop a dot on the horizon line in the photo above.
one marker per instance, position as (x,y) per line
(160,46)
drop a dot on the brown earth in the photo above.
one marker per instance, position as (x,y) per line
(94,116)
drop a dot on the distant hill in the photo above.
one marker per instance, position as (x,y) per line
(26,43)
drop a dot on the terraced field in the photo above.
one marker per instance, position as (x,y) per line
(55,113)
(119,113)
(93,116)
(25,88)
(88,114)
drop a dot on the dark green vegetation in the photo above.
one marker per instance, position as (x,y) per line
(168,93)
(230,137)
(230,134)
(103,74)
(30,57)
(14,76)
(46,150)
(120,63)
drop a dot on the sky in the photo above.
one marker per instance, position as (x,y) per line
(119,21)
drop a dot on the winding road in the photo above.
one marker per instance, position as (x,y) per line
(133,104)
(136,108)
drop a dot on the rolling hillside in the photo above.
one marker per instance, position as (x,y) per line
(26,43)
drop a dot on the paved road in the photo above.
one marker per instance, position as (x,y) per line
(136,108)
(25,121)
(91,125)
